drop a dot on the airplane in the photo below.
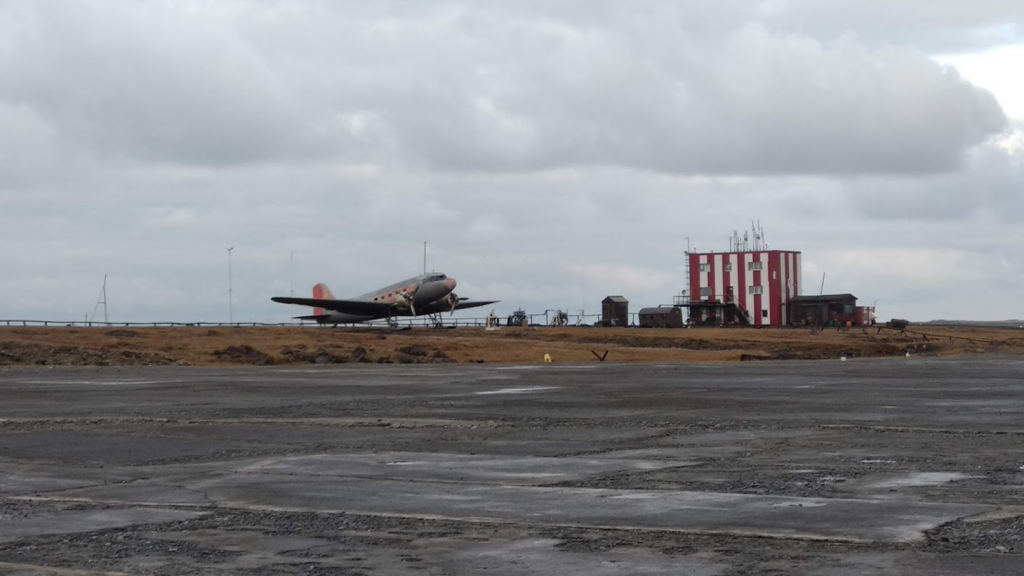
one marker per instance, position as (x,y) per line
(424,295)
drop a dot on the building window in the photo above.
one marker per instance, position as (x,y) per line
(756,290)
(764,313)
(705,267)
(705,291)
(755,266)
(728,266)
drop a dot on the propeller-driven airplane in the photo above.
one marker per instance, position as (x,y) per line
(424,295)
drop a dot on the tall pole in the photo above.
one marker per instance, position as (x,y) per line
(231,295)
(102,299)
(822,291)
(291,281)
(105,319)
(583,290)
(424,257)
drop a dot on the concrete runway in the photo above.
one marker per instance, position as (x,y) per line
(906,466)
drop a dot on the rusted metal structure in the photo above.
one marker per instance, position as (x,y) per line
(825,310)
(615,311)
(661,317)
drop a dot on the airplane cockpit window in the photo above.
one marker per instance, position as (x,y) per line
(437,277)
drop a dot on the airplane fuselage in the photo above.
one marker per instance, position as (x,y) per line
(429,294)
(424,294)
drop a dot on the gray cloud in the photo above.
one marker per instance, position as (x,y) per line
(522,140)
(991,184)
(148,81)
(518,237)
(462,88)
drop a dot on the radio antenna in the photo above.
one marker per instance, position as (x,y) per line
(102,300)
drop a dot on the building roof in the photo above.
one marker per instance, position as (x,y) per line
(657,311)
(719,252)
(705,304)
(822,299)
(616,299)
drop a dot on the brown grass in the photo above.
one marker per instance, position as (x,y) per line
(192,345)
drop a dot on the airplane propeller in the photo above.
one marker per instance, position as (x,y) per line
(407,300)
(453,303)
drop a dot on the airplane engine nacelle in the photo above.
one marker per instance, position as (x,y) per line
(434,291)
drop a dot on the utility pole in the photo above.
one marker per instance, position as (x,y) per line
(583,290)
(231,291)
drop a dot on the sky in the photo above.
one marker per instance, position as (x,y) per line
(550,154)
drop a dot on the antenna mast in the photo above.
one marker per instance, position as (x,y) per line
(424,257)
(583,289)
(102,299)
(231,291)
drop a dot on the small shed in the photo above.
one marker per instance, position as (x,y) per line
(615,311)
(829,309)
(661,317)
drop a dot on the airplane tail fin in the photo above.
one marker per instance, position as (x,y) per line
(321,292)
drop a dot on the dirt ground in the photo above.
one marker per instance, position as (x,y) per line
(64,346)
(871,467)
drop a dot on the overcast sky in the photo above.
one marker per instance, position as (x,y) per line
(550,153)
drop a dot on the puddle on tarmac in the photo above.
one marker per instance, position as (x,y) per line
(921,479)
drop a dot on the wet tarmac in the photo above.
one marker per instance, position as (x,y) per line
(906,466)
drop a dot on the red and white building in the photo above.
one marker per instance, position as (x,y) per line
(748,287)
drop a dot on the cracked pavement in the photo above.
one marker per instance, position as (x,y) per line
(910,466)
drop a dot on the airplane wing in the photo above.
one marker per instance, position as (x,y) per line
(357,307)
(316,317)
(464,304)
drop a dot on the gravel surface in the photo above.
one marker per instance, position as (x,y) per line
(860,467)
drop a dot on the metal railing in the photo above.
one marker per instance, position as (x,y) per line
(97,324)
(540,319)
(454,322)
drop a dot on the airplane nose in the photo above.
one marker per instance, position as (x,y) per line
(450,284)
